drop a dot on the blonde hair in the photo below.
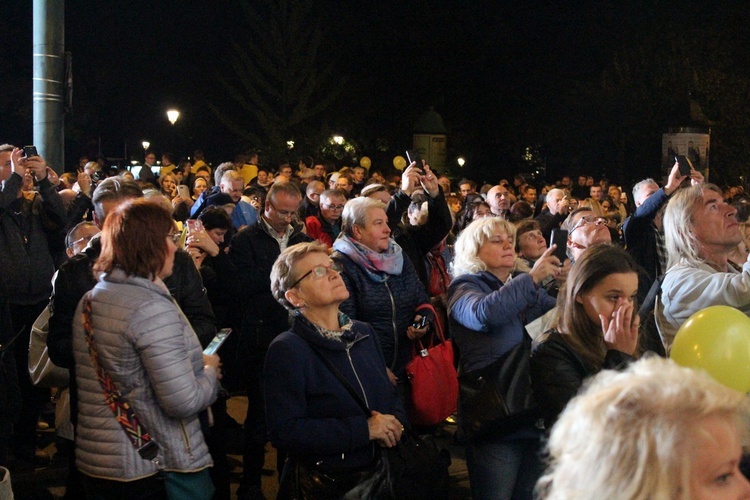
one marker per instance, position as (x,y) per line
(682,245)
(471,240)
(629,434)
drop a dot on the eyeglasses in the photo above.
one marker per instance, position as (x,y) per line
(319,272)
(284,214)
(175,237)
(86,238)
(333,207)
(588,219)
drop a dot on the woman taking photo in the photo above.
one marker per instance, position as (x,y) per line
(383,285)
(153,357)
(309,412)
(597,328)
(488,307)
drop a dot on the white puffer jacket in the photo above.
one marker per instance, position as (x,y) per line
(155,359)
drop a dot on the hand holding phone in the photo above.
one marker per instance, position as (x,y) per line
(414,157)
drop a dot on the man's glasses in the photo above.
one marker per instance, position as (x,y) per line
(330,206)
(284,214)
(588,219)
(86,238)
(319,272)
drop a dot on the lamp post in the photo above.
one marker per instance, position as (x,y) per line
(460,161)
(173,115)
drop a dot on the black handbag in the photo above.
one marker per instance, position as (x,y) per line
(497,399)
(415,468)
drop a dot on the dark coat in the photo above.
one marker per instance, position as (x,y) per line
(416,242)
(389,307)
(558,372)
(253,252)
(638,232)
(487,317)
(27,227)
(308,410)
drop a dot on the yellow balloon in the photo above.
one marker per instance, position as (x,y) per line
(716,339)
(399,162)
(365,162)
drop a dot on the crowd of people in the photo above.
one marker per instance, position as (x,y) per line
(327,277)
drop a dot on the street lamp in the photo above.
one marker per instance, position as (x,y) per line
(173,115)
(338,139)
(145,145)
(461,161)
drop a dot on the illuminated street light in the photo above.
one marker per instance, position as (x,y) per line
(173,115)
(290,144)
(145,145)
(461,161)
(338,139)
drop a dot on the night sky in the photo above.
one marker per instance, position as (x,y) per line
(503,75)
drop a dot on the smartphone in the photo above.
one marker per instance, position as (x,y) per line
(29,151)
(217,341)
(183,191)
(194,226)
(559,237)
(414,156)
(684,164)
(421,323)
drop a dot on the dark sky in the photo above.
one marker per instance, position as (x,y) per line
(491,68)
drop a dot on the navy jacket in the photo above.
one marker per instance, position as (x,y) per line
(309,412)
(487,317)
(389,307)
(639,236)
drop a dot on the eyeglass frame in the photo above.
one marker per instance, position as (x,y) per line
(175,235)
(583,221)
(284,214)
(334,266)
(330,206)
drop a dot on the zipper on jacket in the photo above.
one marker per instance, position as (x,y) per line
(356,375)
(187,441)
(393,323)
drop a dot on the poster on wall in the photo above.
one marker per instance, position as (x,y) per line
(693,143)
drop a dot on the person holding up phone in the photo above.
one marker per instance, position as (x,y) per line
(489,304)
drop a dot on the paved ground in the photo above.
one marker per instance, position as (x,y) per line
(47,482)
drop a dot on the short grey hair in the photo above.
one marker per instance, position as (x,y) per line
(283,274)
(471,240)
(221,169)
(113,188)
(355,213)
(330,194)
(682,245)
(637,188)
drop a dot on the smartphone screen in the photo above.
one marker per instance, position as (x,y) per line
(559,237)
(217,341)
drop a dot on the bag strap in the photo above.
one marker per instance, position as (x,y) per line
(124,413)
(438,328)
(650,301)
(336,373)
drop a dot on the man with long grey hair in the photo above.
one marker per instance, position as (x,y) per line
(700,231)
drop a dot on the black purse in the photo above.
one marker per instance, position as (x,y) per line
(415,468)
(497,399)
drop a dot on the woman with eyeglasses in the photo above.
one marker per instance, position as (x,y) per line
(130,331)
(596,328)
(309,412)
(585,229)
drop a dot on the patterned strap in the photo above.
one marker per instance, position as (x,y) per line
(123,412)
